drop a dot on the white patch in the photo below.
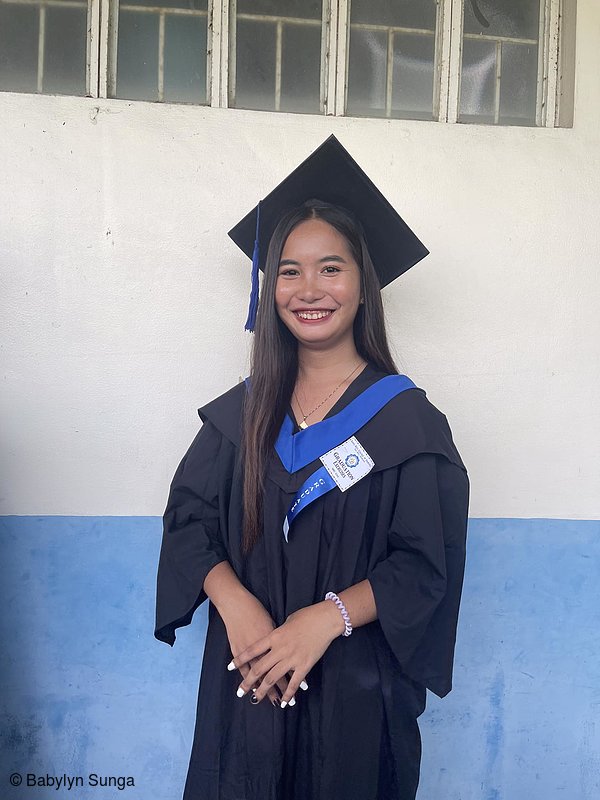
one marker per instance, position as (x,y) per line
(347,463)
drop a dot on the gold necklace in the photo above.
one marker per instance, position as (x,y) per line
(303,424)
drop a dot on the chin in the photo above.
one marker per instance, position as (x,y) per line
(320,338)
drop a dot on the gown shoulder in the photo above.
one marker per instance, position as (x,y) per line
(225,412)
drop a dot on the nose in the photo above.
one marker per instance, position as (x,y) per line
(308,290)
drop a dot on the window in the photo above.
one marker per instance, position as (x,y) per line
(275,55)
(498,62)
(391,59)
(43,46)
(162,50)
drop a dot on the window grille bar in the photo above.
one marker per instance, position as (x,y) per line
(541,70)
(509,39)
(66,3)
(366,26)
(275,19)
(278,55)
(232,63)
(497,82)
(41,43)
(184,12)
(161,57)
(389,75)
(324,71)
(331,57)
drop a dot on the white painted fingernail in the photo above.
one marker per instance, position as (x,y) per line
(283,703)
(231,665)
(240,692)
(304,685)
(293,701)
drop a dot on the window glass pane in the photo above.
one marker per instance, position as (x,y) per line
(301,68)
(19,33)
(413,76)
(391,58)
(137,56)
(367,72)
(161,51)
(518,87)
(185,59)
(409,13)
(478,81)
(500,61)
(515,18)
(276,65)
(255,65)
(64,67)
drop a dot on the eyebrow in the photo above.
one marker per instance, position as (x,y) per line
(290,261)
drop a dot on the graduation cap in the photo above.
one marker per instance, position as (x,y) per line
(331,174)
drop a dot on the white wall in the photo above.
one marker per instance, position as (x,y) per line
(126,300)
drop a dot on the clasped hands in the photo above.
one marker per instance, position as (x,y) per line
(290,649)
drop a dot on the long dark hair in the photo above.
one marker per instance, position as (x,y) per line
(274,357)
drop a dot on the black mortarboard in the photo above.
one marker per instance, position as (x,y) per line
(332,175)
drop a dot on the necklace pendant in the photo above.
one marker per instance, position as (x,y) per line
(303,425)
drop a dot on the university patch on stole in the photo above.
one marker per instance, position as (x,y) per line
(347,463)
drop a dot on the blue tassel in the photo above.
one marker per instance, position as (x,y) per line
(253,305)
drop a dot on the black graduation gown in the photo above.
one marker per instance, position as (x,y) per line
(353,734)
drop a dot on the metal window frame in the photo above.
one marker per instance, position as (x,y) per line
(547,109)
(550,67)
(92,76)
(448,58)
(552,85)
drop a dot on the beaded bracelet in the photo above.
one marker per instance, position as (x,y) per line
(348,625)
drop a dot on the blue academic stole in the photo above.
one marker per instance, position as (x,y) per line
(297,450)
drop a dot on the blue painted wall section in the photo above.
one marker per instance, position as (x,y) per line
(87,689)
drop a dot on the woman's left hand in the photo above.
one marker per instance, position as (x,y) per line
(294,647)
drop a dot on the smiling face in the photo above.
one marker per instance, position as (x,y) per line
(317,292)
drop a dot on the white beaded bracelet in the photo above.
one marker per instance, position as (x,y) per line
(348,625)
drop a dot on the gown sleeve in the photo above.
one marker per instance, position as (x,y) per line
(191,542)
(417,587)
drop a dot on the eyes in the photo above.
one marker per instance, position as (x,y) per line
(329,269)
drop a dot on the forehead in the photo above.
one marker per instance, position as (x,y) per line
(314,237)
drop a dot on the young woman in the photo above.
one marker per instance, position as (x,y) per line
(322,508)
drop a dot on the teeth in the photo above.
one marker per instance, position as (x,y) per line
(313,314)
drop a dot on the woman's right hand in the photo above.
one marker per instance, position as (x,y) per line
(246,623)
(245,618)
